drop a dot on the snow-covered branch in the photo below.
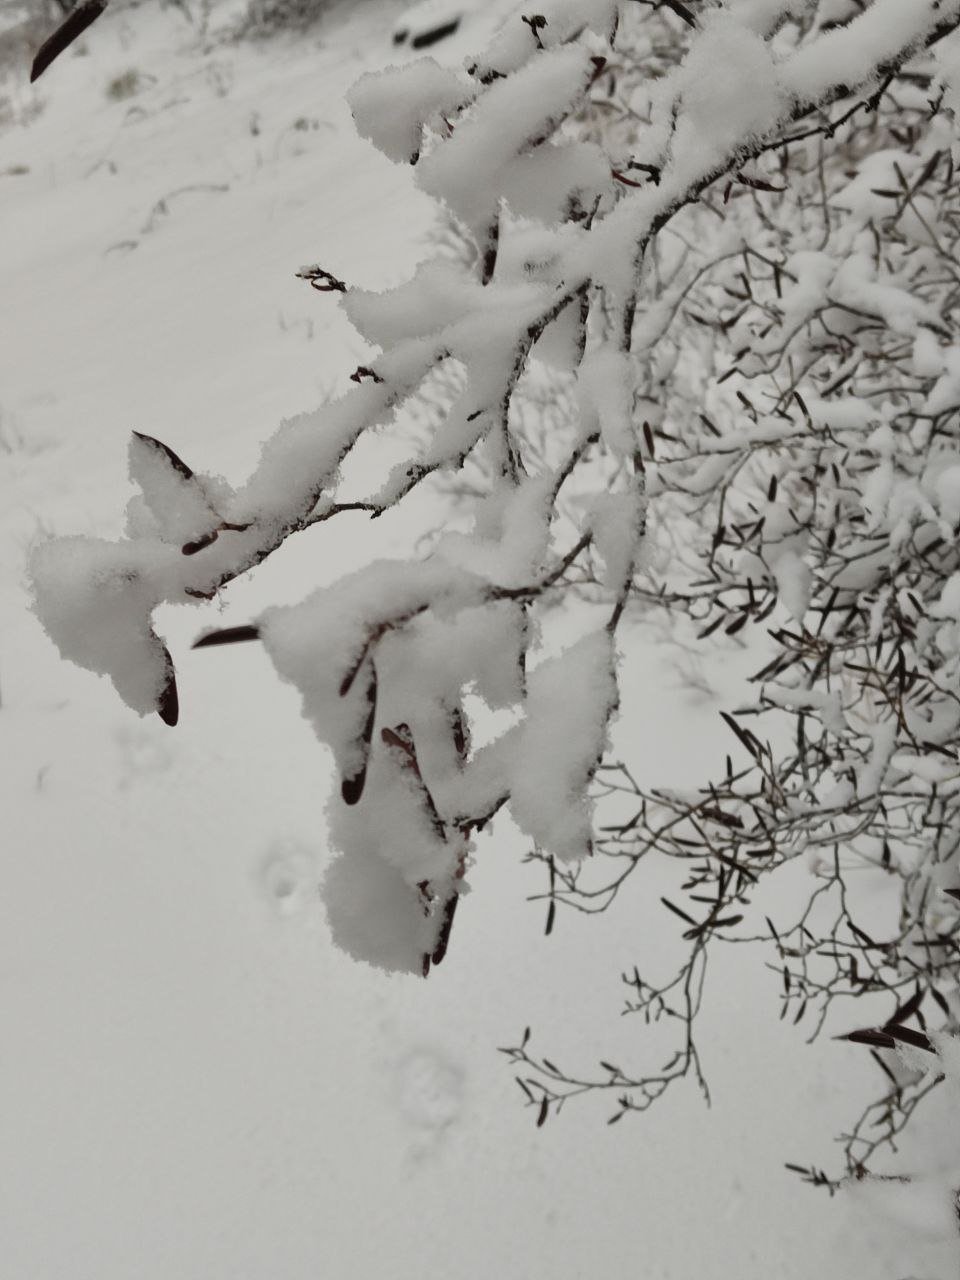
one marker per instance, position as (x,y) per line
(568,250)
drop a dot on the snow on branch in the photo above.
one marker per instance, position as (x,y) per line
(560,269)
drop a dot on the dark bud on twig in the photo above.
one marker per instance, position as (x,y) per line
(208,539)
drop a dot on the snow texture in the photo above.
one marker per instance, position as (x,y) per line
(432,677)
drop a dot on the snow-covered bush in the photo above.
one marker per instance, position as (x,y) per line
(717,243)
(803,454)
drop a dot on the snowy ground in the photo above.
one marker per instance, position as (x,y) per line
(194,1085)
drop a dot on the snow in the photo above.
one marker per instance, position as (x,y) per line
(605,383)
(569,703)
(94,599)
(827,706)
(948,494)
(923,1207)
(616,522)
(929,769)
(946,392)
(201,1083)
(855,286)
(948,606)
(870,777)
(794,582)
(847,53)
(764,16)
(437,295)
(927,356)
(374,915)
(392,107)
(174,505)
(468,170)
(514,44)
(717,116)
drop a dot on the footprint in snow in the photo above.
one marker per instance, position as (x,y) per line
(144,751)
(288,877)
(430,1090)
